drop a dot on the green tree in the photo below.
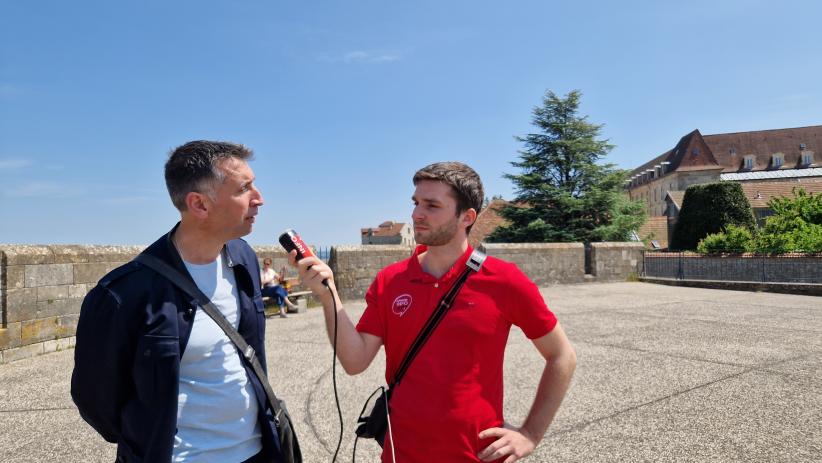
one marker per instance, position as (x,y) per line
(710,208)
(733,239)
(563,193)
(796,225)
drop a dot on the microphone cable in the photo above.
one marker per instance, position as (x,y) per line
(337,398)
(334,375)
(380,389)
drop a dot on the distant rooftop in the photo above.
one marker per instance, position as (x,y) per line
(769,174)
(387,228)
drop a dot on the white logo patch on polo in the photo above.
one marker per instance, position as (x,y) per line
(401,304)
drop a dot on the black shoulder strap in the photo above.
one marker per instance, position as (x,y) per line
(473,265)
(188,287)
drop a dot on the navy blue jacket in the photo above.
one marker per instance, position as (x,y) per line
(133,329)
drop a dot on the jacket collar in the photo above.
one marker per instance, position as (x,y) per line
(231,250)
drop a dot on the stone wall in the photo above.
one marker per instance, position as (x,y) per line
(356,266)
(41,289)
(279,258)
(544,263)
(616,261)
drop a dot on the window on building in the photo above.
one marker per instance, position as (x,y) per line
(807,159)
(749,162)
(777,160)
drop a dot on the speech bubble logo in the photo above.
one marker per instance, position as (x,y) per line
(401,304)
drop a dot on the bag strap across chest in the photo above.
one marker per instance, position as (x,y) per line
(191,289)
(474,264)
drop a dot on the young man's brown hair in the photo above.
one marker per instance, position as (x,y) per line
(464,181)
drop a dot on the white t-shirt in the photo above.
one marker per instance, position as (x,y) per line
(217,409)
(270,276)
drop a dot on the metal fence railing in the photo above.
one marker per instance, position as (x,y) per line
(323,253)
(749,267)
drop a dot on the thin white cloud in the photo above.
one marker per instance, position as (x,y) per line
(13,164)
(36,189)
(361,56)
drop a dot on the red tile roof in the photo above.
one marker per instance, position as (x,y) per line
(655,228)
(488,221)
(387,228)
(731,148)
(759,193)
(727,151)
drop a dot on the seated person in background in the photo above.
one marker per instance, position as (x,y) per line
(272,288)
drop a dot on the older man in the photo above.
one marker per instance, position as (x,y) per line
(153,372)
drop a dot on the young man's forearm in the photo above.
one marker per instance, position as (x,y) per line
(351,348)
(554,383)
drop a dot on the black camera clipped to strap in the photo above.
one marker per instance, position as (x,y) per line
(375,425)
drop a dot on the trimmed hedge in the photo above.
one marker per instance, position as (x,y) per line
(709,208)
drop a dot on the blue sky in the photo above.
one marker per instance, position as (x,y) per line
(343,101)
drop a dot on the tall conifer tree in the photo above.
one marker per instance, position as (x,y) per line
(563,193)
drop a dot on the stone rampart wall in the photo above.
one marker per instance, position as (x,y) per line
(356,266)
(544,263)
(42,287)
(616,261)
(279,258)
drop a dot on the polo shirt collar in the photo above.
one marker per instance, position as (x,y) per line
(418,275)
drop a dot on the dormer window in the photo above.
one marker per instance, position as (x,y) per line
(807,158)
(749,162)
(777,160)
(802,147)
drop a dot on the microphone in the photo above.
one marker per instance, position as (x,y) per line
(290,240)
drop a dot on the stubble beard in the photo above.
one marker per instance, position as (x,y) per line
(439,236)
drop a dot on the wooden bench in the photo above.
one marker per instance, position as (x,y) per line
(299,298)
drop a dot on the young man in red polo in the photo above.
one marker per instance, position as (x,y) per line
(448,406)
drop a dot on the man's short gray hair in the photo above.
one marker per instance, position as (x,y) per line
(194,167)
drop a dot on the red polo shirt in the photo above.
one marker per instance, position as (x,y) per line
(453,389)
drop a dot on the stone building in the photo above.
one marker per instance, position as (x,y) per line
(388,233)
(760,159)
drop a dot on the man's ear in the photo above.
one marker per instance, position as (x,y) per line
(469,216)
(197,204)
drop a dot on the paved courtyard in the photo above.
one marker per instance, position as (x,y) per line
(665,374)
